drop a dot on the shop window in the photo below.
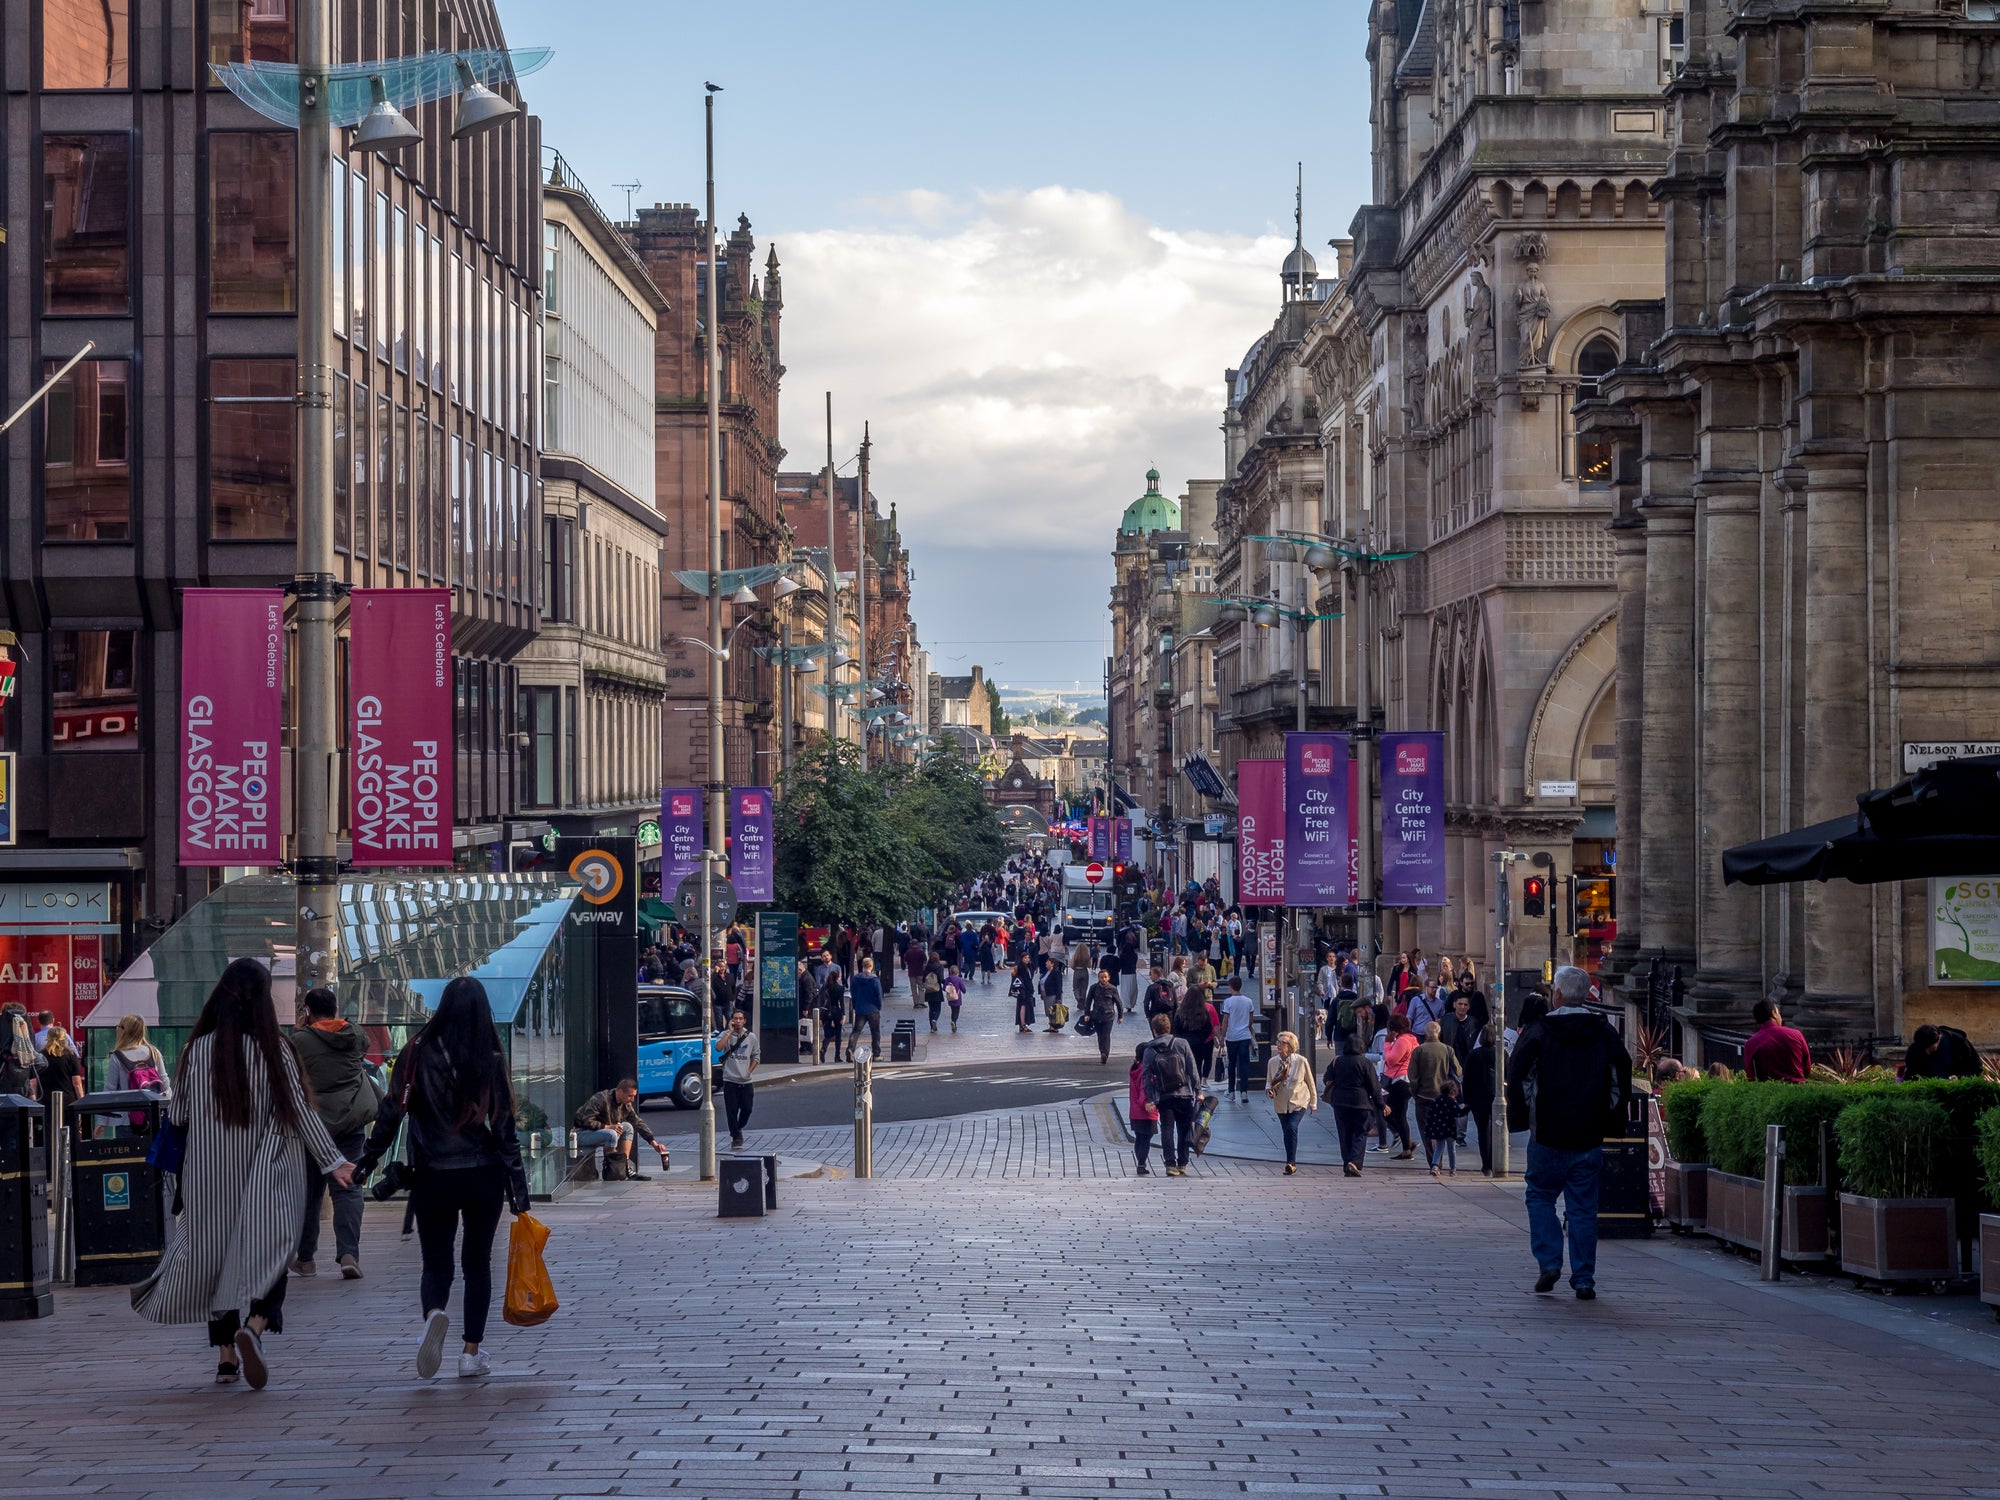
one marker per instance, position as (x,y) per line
(86,213)
(252,249)
(252,431)
(94,690)
(249,31)
(86,454)
(86,44)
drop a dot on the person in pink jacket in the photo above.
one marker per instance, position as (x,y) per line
(1145,1117)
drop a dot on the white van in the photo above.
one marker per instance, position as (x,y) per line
(1087,910)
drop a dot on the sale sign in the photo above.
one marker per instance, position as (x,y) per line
(52,970)
(680,835)
(1316,818)
(400,747)
(1260,832)
(752,856)
(232,725)
(1413,818)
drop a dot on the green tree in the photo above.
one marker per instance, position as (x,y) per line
(950,830)
(1002,725)
(840,857)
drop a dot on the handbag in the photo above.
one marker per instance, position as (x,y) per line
(531,1295)
(169,1148)
(1086,1024)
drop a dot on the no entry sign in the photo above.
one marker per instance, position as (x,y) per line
(1093,873)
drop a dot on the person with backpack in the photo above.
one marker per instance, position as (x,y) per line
(250,1138)
(741,1053)
(1052,994)
(1194,1023)
(1141,1111)
(1578,1074)
(135,1063)
(1289,1082)
(334,1054)
(1172,1083)
(954,994)
(933,991)
(452,1101)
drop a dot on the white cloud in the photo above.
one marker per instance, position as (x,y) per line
(1023,358)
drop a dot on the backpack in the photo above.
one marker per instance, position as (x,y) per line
(143,1075)
(1167,1074)
(931,985)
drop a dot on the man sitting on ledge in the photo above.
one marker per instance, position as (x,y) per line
(612,1120)
(1775,1052)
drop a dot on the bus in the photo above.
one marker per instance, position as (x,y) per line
(670,1038)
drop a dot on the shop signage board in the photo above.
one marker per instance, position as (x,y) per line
(400,726)
(1260,832)
(1965,930)
(232,725)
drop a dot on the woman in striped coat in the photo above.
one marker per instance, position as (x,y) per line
(241,1099)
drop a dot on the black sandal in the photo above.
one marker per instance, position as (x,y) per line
(227,1373)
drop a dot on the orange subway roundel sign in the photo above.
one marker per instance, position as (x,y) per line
(600,873)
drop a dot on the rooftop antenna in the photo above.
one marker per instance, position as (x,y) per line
(630,188)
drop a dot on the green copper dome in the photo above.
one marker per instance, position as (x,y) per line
(1152,511)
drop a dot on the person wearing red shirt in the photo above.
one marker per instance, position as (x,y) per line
(1775,1052)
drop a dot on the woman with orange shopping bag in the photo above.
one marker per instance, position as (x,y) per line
(449,1091)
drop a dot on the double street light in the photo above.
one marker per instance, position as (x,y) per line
(316,96)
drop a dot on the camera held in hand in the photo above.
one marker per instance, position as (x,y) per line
(396,1176)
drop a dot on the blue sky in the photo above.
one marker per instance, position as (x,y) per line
(1024,241)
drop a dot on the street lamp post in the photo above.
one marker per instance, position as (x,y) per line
(832,584)
(718,772)
(861,580)
(315,96)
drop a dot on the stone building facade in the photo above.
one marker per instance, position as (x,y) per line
(1804,456)
(1515,148)
(592,683)
(672,245)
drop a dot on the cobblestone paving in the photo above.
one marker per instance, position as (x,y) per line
(1012,1335)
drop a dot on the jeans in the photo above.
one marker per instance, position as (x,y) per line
(270,1307)
(1442,1153)
(1176,1131)
(1104,1039)
(736,1101)
(936,1003)
(873,1021)
(1398,1097)
(1483,1120)
(615,1142)
(1288,1121)
(346,1204)
(1239,1064)
(441,1200)
(1572,1175)
(1142,1140)
(1353,1126)
(829,1035)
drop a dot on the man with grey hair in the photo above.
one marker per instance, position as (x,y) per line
(1570,1077)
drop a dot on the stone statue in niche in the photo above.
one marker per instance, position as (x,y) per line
(1531,318)
(1479,325)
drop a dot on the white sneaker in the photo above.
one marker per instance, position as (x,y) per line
(473,1366)
(430,1353)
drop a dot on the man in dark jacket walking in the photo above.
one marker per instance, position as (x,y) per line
(334,1057)
(1578,1075)
(1172,1082)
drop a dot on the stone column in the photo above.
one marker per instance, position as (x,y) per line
(1629,540)
(1728,920)
(1666,794)
(1839,947)
(1455,890)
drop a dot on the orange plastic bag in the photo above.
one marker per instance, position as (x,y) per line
(531,1296)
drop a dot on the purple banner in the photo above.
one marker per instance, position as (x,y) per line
(399,755)
(1260,832)
(680,837)
(1100,838)
(752,869)
(1316,819)
(1413,818)
(232,724)
(1121,840)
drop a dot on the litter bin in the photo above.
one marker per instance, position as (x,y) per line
(116,1197)
(770,1181)
(740,1181)
(1624,1195)
(24,1211)
(903,1041)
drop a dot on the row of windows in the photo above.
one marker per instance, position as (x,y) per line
(623,748)
(87,44)
(597,381)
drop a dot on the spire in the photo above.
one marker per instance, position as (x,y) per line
(773,291)
(1300,274)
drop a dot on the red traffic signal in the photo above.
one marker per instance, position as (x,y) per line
(1534,897)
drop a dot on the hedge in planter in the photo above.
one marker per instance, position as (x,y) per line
(1735,1113)
(1680,1106)
(1898,1220)
(1988,1149)
(1989,1156)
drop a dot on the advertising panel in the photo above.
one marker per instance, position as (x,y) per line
(752,855)
(399,742)
(680,829)
(1316,819)
(1260,832)
(232,725)
(1413,818)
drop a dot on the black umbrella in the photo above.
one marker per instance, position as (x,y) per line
(1942,821)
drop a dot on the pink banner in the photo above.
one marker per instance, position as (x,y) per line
(399,751)
(232,725)
(1260,832)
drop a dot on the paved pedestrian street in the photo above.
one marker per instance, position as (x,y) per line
(1037,1334)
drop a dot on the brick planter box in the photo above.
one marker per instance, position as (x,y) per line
(1989,1261)
(1898,1239)
(1736,1215)
(1687,1194)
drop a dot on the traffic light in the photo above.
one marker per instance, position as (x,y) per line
(1534,897)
